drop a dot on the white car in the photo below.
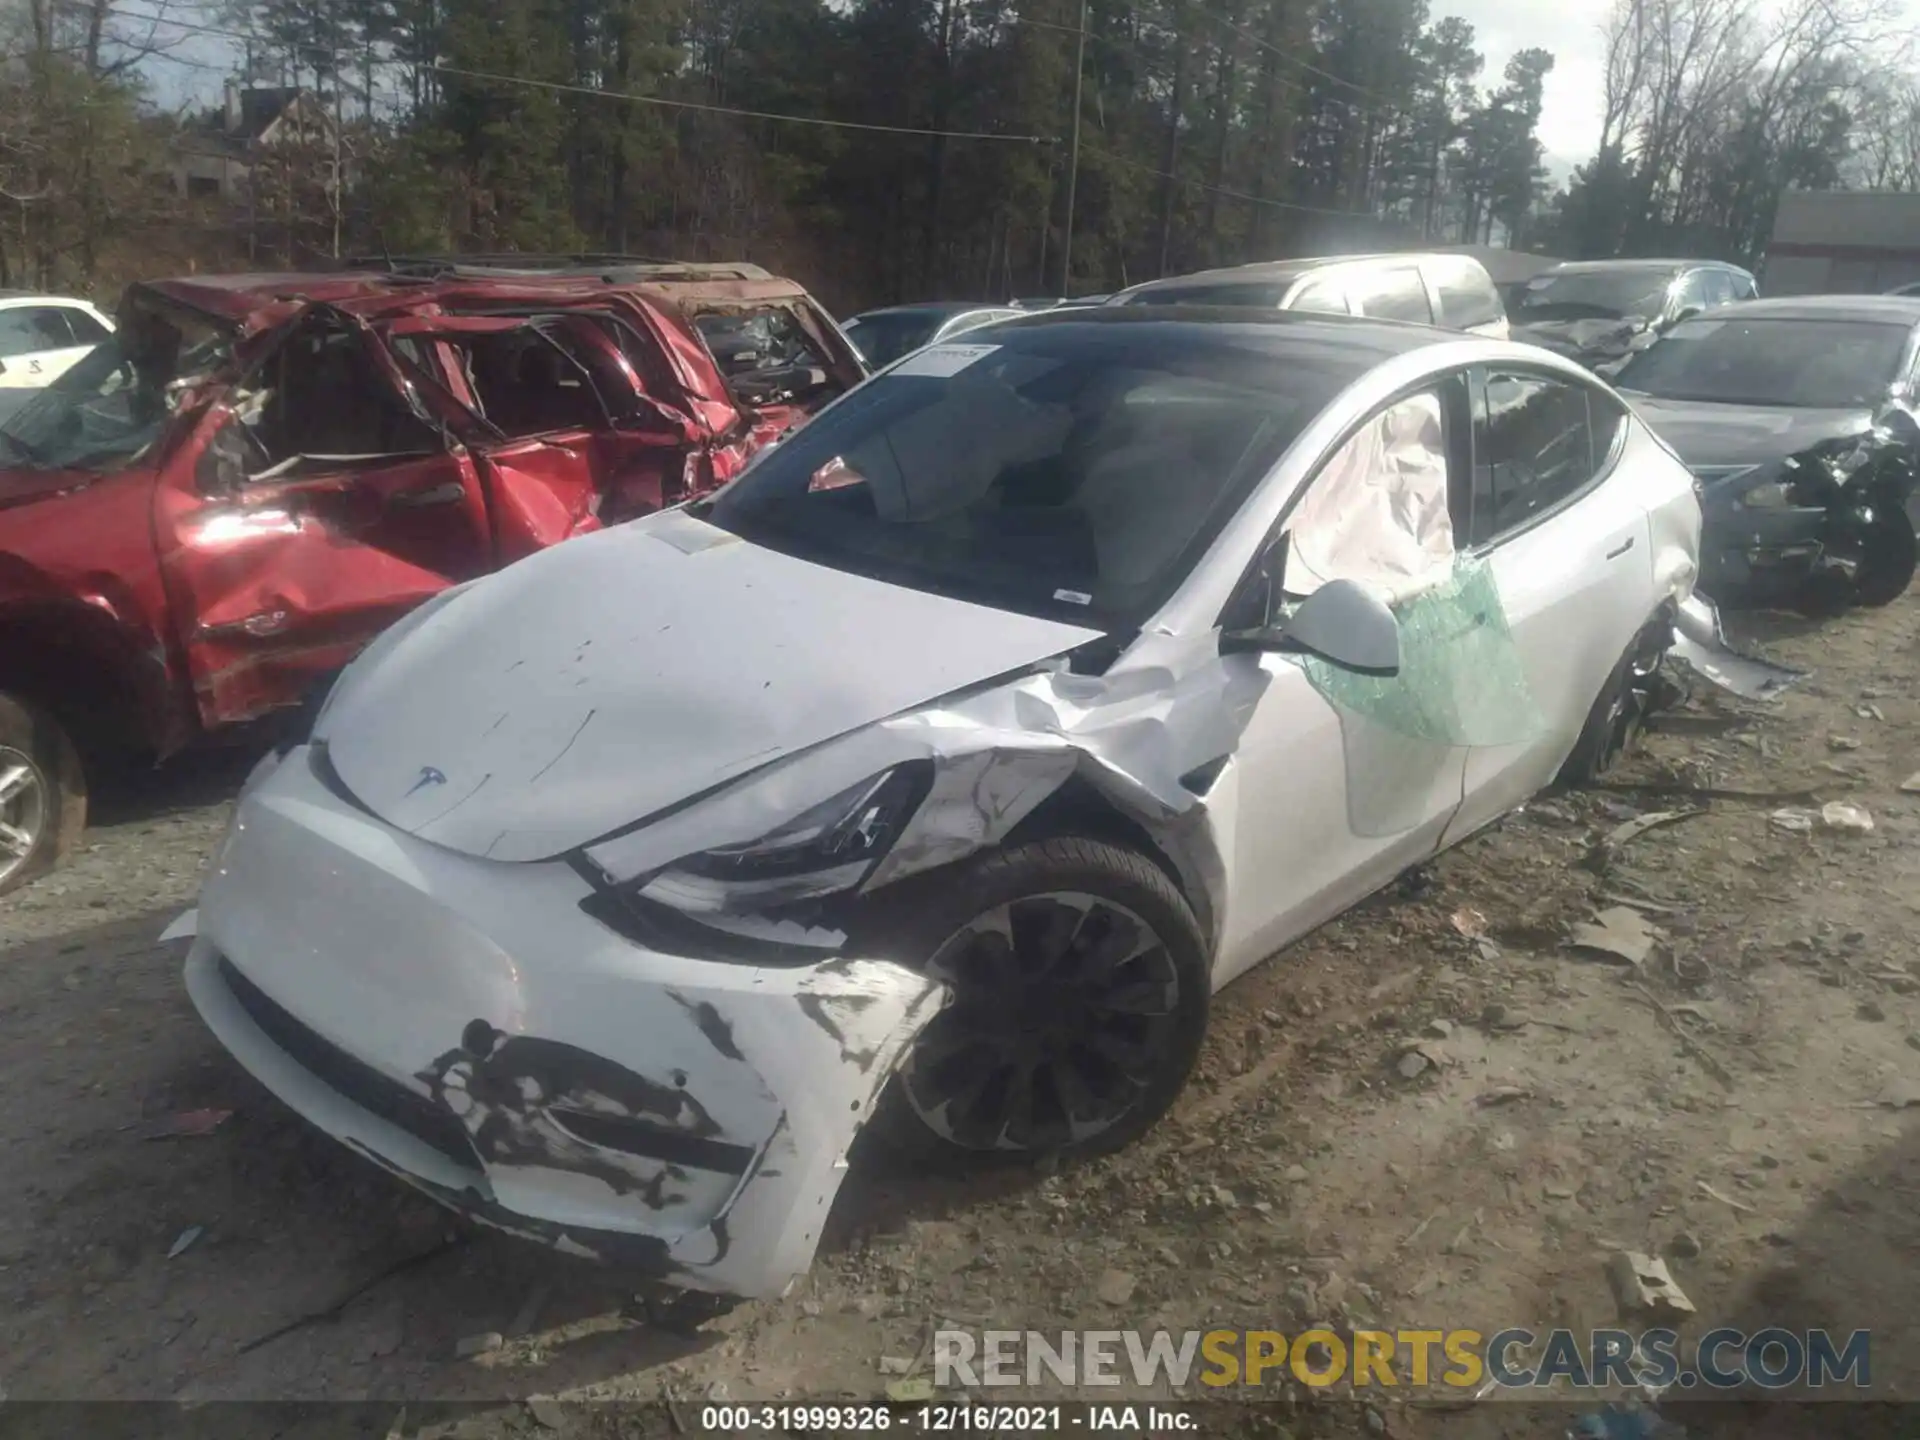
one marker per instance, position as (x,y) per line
(41,336)
(936,771)
(1424,287)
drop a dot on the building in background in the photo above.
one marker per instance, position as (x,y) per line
(215,158)
(1843,242)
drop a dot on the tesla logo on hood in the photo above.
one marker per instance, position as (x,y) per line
(428,776)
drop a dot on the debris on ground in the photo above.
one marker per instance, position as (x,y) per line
(1707,1190)
(1617,931)
(1911,785)
(483,1343)
(1846,816)
(1609,845)
(189,1124)
(528,1315)
(1502,1094)
(547,1412)
(896,1365)
(917,1391)
(1469,923)
(1115,1287)
(1643,1286)
(186,1241)
(1684,1246)
(1793,821)
(1842,742)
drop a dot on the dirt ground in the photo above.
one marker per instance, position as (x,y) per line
(1745,1100)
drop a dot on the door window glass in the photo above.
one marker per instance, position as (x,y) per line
(1467,296)
(86,329)
(1539,450)
(1395,293)
(30,328)
(1320,297)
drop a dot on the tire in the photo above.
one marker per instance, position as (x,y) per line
(43,793)
(1633,690)
(986,1083)
(1888,555)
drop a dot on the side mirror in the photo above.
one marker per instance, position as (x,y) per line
(1898,419)
(1341,621)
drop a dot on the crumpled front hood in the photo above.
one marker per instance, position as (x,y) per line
(605,679)
(1579,337)
(1717,435)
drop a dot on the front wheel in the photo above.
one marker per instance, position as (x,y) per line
(43,793)
(1080,987)
(1888,552)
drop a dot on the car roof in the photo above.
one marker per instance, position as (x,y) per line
(28,297)
(942,309)
(1276,332)
(1582,267)
(236,297)
(1898,309)
(1266,272)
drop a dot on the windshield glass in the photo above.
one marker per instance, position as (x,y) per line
(1811,364)
(1266,296)
(886,335)
(756,340)
(1073,471)
(110,407)
(1595,295)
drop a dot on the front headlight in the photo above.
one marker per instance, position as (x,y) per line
(826,850)
(1769,495)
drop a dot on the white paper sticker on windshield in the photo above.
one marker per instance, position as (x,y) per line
(939,361)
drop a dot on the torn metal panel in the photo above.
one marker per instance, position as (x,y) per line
(1700,642)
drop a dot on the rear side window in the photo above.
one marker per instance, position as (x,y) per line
(86,329)
(1320,297)
(1542,441)
(1267,297)
(1396,293)
(26,329)
(1467,297)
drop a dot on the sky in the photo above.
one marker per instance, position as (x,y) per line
(1570,112)
(1571,29)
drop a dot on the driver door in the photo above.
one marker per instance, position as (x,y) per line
(1331,792)
(311,507)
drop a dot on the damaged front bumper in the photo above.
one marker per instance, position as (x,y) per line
(463,1023)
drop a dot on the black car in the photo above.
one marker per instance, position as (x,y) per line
(1600,312)
(1797,419)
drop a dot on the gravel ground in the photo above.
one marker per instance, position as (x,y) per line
(1743,1100)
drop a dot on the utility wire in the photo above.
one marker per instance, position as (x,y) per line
(556,86)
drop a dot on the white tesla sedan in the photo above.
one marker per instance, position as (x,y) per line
(936,771)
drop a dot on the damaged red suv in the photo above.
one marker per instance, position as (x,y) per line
(216,508)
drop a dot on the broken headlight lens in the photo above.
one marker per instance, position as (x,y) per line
(1770,495)
(828,849)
